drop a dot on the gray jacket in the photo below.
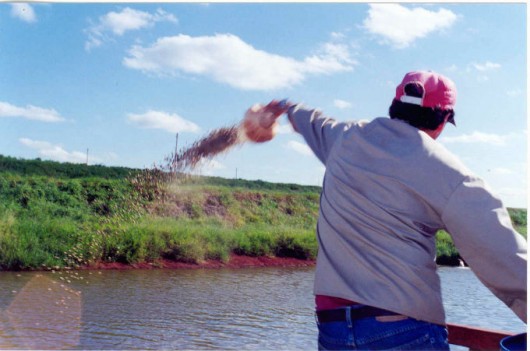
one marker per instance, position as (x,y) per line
(388,188)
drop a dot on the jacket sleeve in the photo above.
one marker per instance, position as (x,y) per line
(483,234)
(319,132)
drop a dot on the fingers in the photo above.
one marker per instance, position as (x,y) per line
(277,108)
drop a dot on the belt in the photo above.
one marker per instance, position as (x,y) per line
(340,314)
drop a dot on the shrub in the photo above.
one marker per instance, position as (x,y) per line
(446,253)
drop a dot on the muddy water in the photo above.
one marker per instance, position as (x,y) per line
(257,308)
(250,309)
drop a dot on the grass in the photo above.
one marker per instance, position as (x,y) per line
(519,219)
(187,241)
(55,221)
(48,222)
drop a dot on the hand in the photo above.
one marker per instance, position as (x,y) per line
(260,123)
(278,108)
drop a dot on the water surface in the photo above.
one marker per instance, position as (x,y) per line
(251,309)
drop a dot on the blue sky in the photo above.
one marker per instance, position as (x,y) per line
(122,79)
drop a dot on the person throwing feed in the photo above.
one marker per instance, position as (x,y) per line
(389,186)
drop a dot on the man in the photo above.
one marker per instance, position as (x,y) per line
(388,188)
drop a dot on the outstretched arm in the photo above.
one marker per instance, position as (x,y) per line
(319,132)
(483,234)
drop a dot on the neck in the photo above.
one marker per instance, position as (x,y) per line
(436,132)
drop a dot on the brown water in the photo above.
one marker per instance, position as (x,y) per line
(162,309)
(217,309)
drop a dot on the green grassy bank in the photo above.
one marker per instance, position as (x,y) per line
(56,215)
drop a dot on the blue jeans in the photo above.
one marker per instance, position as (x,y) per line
(371,334)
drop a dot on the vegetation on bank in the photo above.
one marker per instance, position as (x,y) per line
(54,169)
(55,215)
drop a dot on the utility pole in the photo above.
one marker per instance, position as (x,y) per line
(176,157)
(174,163)
(236,173)
(87,156)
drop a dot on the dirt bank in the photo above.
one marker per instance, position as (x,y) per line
(235,261)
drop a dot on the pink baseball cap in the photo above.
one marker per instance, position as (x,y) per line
(427,89)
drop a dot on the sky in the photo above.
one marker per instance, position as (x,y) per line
(121,80)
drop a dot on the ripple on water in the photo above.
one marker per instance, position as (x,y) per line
(251,309)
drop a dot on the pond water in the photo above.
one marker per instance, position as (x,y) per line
(228,309)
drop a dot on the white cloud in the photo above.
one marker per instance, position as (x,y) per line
(487,66)
(502,171)
(401,26)
(30,112)
(23,12)
(57,152)
(332,57)
(478,137)
(161,120)
(341,104)
(512,191)
(117,23)
(482,70)
(285,129)
(227,59)
(299,147)
(514,92)
(338,35)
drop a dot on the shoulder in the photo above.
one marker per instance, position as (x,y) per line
(439,152)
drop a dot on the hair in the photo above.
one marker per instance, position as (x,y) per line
(420,117)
